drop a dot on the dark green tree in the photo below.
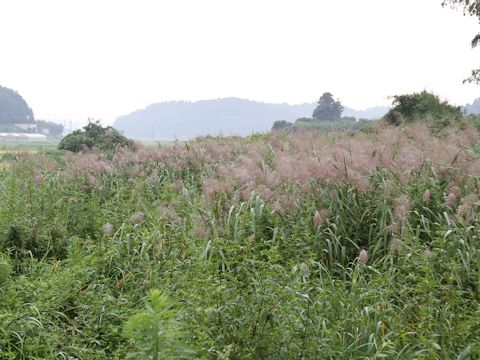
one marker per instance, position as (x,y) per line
(472,8)
(13,108)
(93,135)
(328,108)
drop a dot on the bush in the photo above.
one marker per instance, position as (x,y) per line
(394,117)
(416,106)
(281,125)
(342,124)
(93,135)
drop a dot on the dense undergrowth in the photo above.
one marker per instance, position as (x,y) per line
(255,247)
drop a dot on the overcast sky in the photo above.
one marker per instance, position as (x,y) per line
(105,58)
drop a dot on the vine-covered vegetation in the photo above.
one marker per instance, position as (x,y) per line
(93,135)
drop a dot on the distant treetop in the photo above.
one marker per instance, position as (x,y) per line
(328,108)
(13,108)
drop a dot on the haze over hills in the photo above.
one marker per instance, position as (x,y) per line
(13,108)
(372,113)
(16,116)
(186,119)
(473,108)
(228,116)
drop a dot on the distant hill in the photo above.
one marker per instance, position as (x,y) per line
(375,112)
(13,108)
(228,116)
(473,108)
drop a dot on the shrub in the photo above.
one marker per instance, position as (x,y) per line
(394,118)
(343,124)
(416,106)
(281,125)
(93,135)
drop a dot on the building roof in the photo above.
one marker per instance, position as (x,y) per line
(23,135)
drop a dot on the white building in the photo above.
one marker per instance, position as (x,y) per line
(22,137)
(28,127)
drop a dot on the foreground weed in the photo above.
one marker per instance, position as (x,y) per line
(155,331)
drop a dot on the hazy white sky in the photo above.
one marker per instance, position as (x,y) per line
(105,58)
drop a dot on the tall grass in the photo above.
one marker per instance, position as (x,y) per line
(273,246)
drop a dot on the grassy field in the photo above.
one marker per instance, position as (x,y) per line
(8,146)
(10,151)
(277,246)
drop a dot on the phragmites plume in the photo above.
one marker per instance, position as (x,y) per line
(107,229)
(451,199)
(396,245)
(428,254)
(453,195)
(303,267)
(392,229)
(320,217)
(468,208)
(363,257)
(91,181)
(455,190)
(137,217)
(403,205)
(201,231)
(211,187)
(38,180)
(427,197)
